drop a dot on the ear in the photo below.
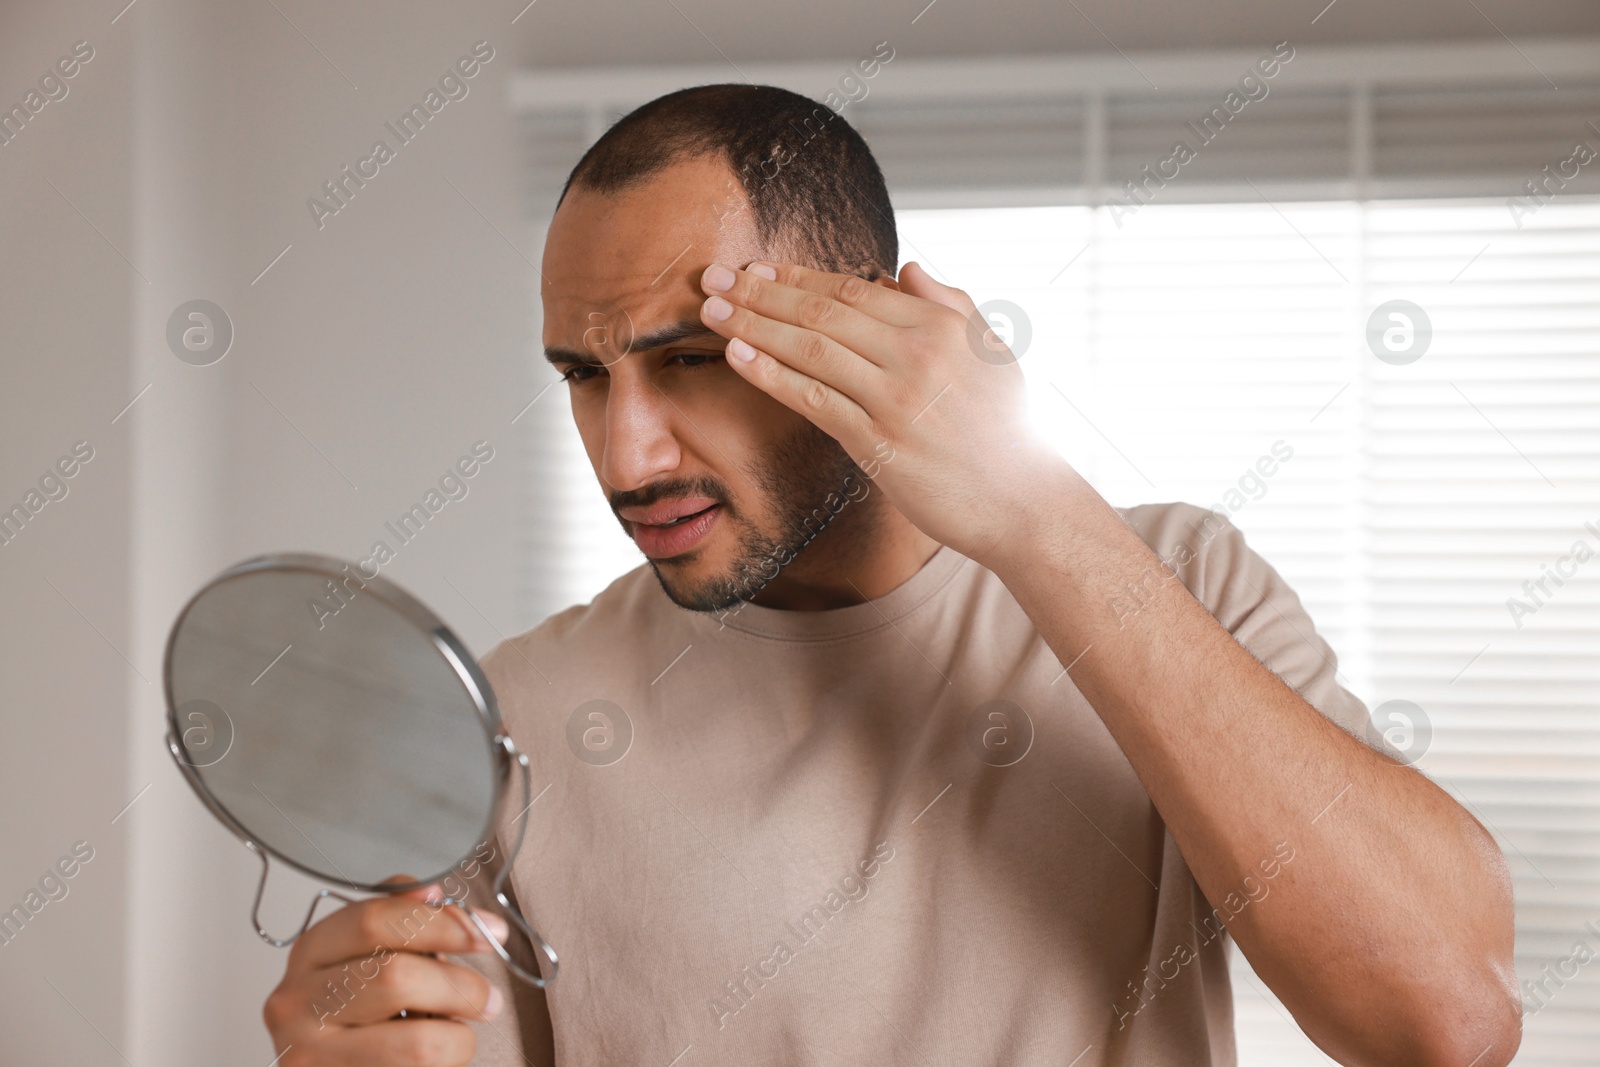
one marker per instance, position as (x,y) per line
(887,282)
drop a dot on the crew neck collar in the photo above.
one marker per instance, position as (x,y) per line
(833,623)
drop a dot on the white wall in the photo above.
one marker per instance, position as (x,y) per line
(393,339)
(728,32)
(66,298)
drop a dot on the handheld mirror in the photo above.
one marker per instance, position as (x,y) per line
(330,720)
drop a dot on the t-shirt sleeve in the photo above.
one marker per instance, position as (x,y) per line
(1254,603)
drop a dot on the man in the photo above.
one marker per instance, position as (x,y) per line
(947,761)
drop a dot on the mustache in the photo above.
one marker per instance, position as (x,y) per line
(668,489)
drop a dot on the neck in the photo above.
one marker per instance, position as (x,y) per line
(865,552)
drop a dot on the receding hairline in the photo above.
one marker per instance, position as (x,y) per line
(809,179)
(786,244)
(676,156)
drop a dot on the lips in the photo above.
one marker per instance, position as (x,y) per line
(679,526)
(667,511)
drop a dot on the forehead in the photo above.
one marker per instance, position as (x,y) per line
(641,251)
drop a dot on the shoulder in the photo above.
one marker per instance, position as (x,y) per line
(1249,598)
(572,632)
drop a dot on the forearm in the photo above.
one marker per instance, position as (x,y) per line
(1389,935)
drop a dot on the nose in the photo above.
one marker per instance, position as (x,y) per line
(640,443)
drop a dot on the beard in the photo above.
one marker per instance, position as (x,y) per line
(796,478)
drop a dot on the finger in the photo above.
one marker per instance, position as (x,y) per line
(426,892)
(399,923)
(835,414)
(919,283)
(370,990)
(840,317)
(882,302)
(813,354)
(415,1042)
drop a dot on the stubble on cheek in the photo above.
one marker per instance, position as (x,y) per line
(789,489)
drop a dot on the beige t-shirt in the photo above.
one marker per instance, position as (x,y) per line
(887,833)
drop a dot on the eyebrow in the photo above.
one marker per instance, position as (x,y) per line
(667,335)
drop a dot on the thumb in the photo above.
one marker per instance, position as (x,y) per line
(918,282)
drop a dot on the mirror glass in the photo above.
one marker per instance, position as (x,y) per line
(335,721)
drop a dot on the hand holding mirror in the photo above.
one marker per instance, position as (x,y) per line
(332,721)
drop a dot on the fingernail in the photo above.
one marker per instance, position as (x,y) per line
(433,894)
(740,351)
(718,309)
(497,1001)
(767,272)
(497,926)
(718,277)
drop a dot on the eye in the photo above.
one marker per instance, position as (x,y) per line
(578,373)
(695,360)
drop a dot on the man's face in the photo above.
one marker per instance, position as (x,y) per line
(712,478)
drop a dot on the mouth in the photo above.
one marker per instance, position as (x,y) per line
(671,528)
(681,519)
(664,512)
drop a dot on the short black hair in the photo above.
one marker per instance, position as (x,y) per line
(811,180)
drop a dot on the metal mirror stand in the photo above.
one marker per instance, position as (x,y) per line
(509,749)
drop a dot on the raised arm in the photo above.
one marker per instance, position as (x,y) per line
(1390,936)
